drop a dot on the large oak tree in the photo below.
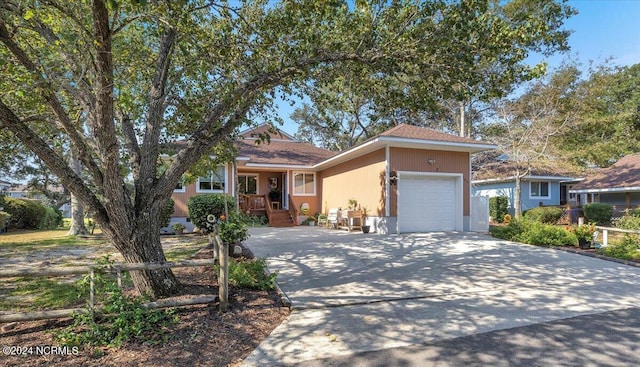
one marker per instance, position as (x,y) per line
(119,78)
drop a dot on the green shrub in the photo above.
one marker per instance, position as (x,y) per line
(541,234)
(626,249)
(52,219)
(498,207)
(544,214)
(598,213)
(202,205)
(121,319)
(634,212)
(250,274)
(232,230)
(4,220)
(25,214)
(628,221)
(167,211)
(534,233)
(510,232)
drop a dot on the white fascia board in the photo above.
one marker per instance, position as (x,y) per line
(437,144)
(610,190)
(349,154)
(280,166)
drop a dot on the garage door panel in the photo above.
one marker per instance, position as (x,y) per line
(426,204)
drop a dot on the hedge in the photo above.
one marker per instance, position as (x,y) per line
(498,207)
(25,214)
(202,205)
(598,213)
(544,214)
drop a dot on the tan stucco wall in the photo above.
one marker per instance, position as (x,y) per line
(405,159)
(361,179)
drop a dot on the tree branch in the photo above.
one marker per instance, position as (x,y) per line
(84,152)
(73,182)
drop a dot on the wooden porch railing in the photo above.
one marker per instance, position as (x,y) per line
(268,209)
(250,202)
(293,211)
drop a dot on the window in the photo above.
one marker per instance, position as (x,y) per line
(215,182)
(539,190)
(304,183)
(248,184)
(180,186)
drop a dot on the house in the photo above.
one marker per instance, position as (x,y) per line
(411,179)
(541,187)
(4,185)
(617,185)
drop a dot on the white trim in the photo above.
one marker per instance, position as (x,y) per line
(547,197)
(182,190)
(293,177)
(611,190)
(279,166)
(387,179)
(459,180)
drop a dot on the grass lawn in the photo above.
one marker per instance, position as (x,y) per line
(35,247)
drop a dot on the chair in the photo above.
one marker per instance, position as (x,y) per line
(323,220)
(333,218)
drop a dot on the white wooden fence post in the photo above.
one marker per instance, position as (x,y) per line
(223,278)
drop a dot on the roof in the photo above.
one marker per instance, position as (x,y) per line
(281,153)
(284,151)
(422,133)
(622,176)
(254,132)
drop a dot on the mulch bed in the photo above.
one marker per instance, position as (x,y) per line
(202,337)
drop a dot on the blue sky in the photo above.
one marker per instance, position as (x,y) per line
(602,29)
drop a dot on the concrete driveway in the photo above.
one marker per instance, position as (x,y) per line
(354,293)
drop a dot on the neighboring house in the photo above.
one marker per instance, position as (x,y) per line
(410,179)
(541,187)
(617,185)
(20,191)
(4,185)
(534,190)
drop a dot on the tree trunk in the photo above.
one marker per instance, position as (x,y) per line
(77,209)
(517,197)
(77,218)
(141,243)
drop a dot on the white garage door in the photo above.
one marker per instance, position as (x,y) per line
(427,203)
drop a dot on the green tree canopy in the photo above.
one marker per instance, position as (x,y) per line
(119,79)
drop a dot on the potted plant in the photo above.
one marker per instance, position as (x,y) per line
(365,228)
(584,233)
(178,228)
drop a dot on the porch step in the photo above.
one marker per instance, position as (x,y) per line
(280,218)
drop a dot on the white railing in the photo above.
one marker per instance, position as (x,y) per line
(605,233)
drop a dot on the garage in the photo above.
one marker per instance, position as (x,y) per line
(429,202)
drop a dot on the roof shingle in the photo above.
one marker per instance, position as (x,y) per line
(624,173)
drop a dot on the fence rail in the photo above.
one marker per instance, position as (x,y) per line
(605,233)
(114,268)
